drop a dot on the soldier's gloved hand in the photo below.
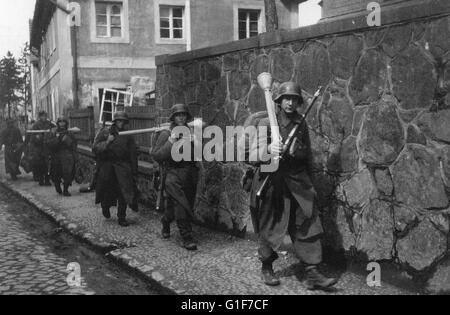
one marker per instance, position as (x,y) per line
(173,138)
(110,139)
(276,147)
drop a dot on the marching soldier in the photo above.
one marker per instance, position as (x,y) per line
(117,171)
(180,180)
(13,141)
(63,148)
(288,203)
(91,186)
(40,155)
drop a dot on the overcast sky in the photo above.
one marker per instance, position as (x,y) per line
(14,16)
(14,30)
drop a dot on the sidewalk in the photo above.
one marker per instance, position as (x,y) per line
(223,265)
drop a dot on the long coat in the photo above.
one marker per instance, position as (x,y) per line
(290,189)
(38,150)
(13,141)
(63,149)
(180,177)
(118,166)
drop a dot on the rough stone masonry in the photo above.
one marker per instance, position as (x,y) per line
(380,134)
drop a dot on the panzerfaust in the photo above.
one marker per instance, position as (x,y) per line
(196,123)
(288,143)
(73,130)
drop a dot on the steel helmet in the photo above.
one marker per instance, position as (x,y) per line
(289,88)
(121,116)
(63,119)
(180,108)
(42,113)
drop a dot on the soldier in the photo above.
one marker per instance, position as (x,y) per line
(90,187)
(40,155)
(118,170)
(180,180)
(288,204)
(13,141)
(63,148)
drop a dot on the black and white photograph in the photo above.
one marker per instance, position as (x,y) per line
(219,154)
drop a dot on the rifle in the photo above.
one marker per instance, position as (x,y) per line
(287,144)
(160,202)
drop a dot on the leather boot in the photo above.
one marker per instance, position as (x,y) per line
(124,223)
(135,207)
(58,188)
(66,191)
(268,275)
(106,213)
(189,243)
(316,281)
(165,233)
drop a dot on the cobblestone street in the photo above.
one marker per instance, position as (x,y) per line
(224,265)
(33,264)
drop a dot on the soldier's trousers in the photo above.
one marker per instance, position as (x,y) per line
(117,198)
(176,212)
(40,170)
(307,250)
(121,208)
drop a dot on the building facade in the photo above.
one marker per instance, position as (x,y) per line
(116,44)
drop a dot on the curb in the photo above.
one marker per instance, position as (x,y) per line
(110,250)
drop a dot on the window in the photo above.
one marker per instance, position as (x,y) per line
(109,19)
(171,22)
(248,23)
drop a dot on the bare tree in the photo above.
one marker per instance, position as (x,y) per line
(271,15)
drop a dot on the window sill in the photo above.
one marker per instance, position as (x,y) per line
(169,41)
(109,40)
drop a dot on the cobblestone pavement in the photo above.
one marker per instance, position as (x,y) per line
(223,265)
(28,265)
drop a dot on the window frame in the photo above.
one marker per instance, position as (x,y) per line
(109,16)
(124,19)
(171,20)
(248,21)
(185,5)
(250,6)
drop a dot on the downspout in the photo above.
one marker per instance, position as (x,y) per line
(75,85)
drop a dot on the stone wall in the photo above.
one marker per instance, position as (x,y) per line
(380,134)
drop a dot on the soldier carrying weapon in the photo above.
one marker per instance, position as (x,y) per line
(63,147)
(179,180)
(117,169)
(287,204)
(40,155)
